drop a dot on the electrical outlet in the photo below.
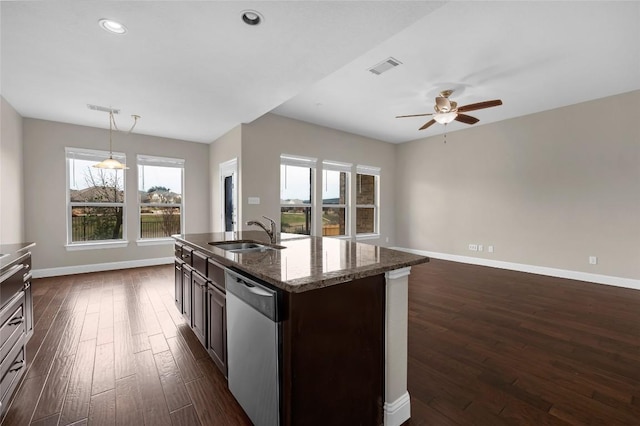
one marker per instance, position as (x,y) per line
(490,249)
(593,260)
(473,247)
(480,248)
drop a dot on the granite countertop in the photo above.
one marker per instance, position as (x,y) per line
(305,263)
(11,252)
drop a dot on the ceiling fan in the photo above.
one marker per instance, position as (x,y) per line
(447,110)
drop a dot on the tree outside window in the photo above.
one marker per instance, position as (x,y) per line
(160,196)
(95,197)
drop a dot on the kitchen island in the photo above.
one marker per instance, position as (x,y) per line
(343,347)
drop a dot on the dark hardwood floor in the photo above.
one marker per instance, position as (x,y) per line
(486,347)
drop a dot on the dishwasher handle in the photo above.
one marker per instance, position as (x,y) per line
(259,296)
(253,289)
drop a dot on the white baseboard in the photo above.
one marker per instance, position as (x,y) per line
(541,270)
(97,267)
(398,411)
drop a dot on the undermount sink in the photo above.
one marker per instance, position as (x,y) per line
(244,246)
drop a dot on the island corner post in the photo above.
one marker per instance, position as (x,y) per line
(397,403)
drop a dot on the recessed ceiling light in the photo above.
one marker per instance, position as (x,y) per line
(251,17)
(112,26)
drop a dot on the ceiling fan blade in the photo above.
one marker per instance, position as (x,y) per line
(467,119)
(413,115)
(480,105)
(427,124)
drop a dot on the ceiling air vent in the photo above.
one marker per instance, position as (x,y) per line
(385,65)
(103,109)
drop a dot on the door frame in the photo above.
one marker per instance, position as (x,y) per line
(229,168)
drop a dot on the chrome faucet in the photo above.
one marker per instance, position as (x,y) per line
(270,232)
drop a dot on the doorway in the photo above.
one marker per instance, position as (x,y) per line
(229,195)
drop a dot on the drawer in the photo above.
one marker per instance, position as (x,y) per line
(12,325)
(187,254)
(199,262)
(12,368)
(12,279)
(215,273)
(177,250)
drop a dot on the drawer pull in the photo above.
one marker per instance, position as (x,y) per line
(16,321)
(17,366)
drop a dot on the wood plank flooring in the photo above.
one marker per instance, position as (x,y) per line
(496,347)
(486,347)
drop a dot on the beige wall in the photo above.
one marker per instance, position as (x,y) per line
(548,189)
(266,138)
(11,176)
(225,148)
(45,183)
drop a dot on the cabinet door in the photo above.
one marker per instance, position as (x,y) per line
(217,346)
(198,310)
(186,292)
(178,286)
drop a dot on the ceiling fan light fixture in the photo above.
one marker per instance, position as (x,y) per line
(445,117)
(112,26)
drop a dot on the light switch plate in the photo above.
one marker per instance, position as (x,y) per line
(254,200)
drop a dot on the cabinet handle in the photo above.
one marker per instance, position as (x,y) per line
(16,321)
(17,366)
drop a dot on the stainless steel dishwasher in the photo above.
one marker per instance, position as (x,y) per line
(253,347)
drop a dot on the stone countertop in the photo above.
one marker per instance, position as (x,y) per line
(305,263)
(11,252)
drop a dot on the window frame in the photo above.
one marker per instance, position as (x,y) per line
(71,154)
(336,166)
(375,172)
(299,161)
(159,161)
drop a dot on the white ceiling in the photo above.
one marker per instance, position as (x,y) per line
(193,70)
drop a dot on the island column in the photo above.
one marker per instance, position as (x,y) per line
(397,404)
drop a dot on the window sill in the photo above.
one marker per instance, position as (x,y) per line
(156,241)
(367,236)
(96,245)
(338,237)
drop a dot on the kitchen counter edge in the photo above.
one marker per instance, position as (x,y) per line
(401,260)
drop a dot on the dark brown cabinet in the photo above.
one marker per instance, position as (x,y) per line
(199,307)
(200,297)
(217,327)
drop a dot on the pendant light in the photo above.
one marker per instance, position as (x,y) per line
(111,163)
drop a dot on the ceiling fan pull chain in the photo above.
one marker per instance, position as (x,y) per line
(445,133)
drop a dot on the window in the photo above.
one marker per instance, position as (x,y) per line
(335,190)
(160,196)
(367,199)
(296,201)
(95,198)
